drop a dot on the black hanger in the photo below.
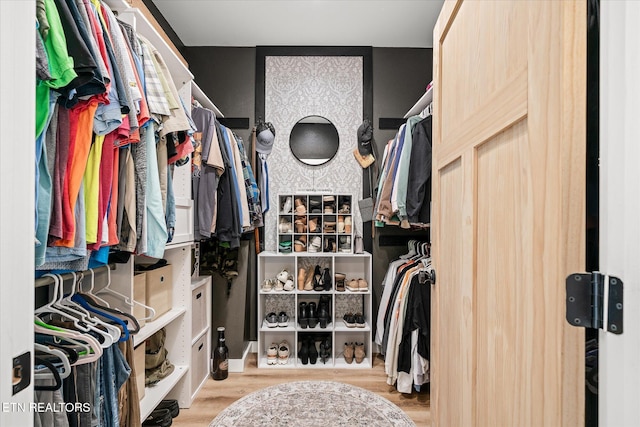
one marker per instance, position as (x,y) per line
(56,376)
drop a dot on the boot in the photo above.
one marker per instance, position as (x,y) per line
(303,319)
(359,352)
(312,314)
(325,350)
(326,279)
(325,302)
(323,315)
(301,275)
(304,352)
(348,352)
(308,279)
(313,352)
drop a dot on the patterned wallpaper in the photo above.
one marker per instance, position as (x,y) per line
(299,86)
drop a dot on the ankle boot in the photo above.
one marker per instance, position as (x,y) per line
(326,279)
(325,350)
(359,352)
(313,352)
(312,314)
(303,319)
(304,352)
(323,315)
(348,352)
(324,304)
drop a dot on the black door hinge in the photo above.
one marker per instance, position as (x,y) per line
(594,300)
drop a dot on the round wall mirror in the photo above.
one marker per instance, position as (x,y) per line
(314,140)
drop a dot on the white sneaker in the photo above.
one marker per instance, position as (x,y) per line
(283,276)
(283,353)
(288,286)
(272,354)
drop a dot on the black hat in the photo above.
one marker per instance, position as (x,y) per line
(365,134)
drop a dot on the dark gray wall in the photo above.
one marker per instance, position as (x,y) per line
(228,76)
(400,77)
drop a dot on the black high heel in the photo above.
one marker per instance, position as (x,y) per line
(313,352)
(325,350)
(317,280)
(304,352)
(312,314)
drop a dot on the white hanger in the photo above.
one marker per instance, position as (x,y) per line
(86,341)
(428,111)
(126,299)
(45,374)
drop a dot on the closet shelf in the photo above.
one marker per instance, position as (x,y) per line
(154,394)
(341,327)
(154,326)
(204,100)
(179,72)
(422,103)
(340,363)
(178,245)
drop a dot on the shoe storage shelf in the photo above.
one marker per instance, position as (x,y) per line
(314,307)
(315,223)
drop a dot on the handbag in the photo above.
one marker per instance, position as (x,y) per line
(366,205)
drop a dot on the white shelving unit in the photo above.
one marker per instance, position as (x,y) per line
(354,266)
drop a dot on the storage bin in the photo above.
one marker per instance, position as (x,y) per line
(159,294)
(199,362)
(199,297)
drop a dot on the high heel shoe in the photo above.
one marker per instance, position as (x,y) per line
(313,352)
(325,350)
(317,280)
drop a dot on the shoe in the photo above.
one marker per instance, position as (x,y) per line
(363,286)
(314,202)
(325,350)
(283,353)
(289,286)
(340,224)
(339,278)
(285,246)
(328,209)
(304,351)
(272,354)
(303,318)
(348,352)
(283,276)
(312,314)
(267,285)
(317,280)
(272,320)
(301,275)
(313,352)
(347,224)
(323,316)
(313,225)
(159,417)
(315,245)
(299,246)
(344,208)
(278,285)
(171,405)
(330,245)
(283,320)
(359,320)
(329,226)
(353,286)
(359,352)
(345,243)
(301,209)
(349,320)
(286,207)
(308,280)
(326,279)
(284,226)
(301,224)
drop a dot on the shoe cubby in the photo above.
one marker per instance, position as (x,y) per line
(335,303)
(350,347)
(315,223)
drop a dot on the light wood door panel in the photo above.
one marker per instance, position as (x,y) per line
(508,226)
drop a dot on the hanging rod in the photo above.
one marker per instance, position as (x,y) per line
(48,280)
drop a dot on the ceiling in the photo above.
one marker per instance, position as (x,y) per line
(378,23)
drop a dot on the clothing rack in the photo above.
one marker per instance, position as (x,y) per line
(48,280)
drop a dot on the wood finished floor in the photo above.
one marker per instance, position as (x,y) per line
(217,395)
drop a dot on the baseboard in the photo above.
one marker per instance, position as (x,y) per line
(237,365)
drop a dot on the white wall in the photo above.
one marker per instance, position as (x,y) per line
(619,364)
(17,177)
(299,86)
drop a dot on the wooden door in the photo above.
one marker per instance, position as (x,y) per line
(508,212)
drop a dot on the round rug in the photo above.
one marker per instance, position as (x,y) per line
(311,404)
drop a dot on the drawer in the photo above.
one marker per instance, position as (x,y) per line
(199,312)
(159,292)
(199,362)
(138,362)
(139,294)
